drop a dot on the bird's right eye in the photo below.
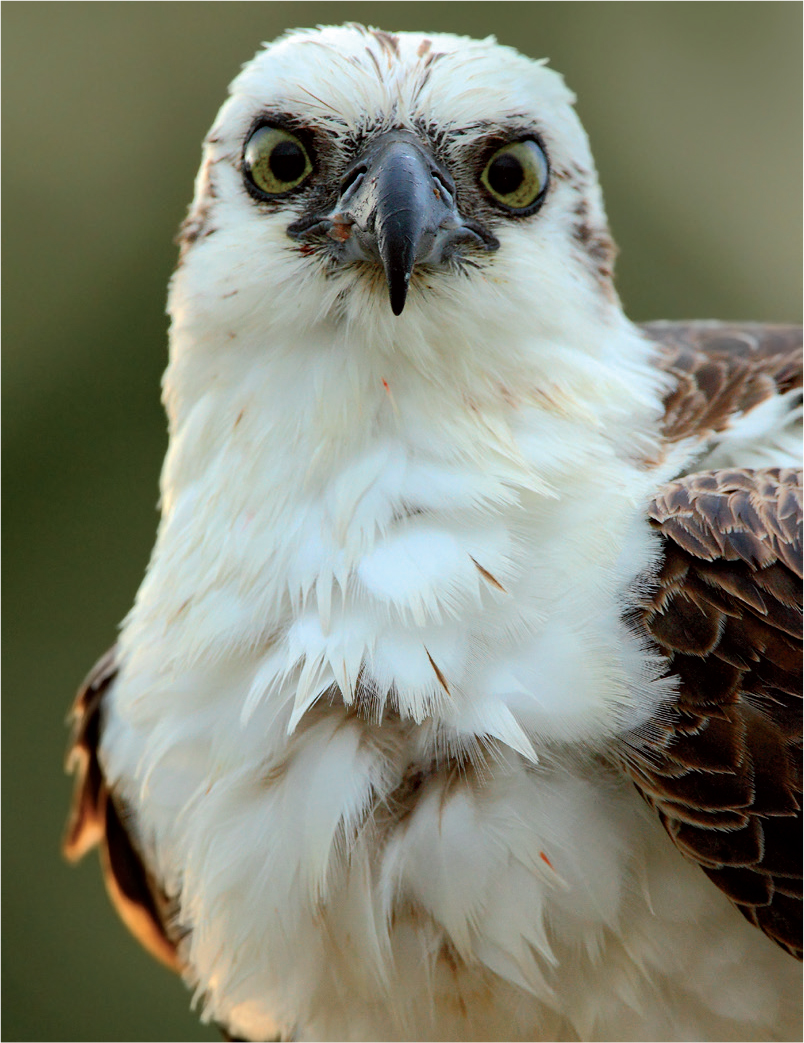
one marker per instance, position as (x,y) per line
(275,161)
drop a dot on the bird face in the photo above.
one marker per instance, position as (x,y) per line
(397,206)
(354,173)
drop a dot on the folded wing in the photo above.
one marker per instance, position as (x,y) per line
(723,766)
(97,819)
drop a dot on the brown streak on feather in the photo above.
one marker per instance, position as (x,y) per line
(376,64)
(442,680)
(488,576)
(388,41)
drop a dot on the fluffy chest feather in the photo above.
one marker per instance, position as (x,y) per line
(360,745)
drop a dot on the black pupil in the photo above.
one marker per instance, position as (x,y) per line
(505,174)
(287,161)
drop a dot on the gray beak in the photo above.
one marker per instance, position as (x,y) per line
(396,208)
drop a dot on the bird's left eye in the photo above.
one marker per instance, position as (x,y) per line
(516,175)
(275,161)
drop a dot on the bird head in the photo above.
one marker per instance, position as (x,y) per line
(387,180)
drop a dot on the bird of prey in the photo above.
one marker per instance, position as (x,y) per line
(459,700)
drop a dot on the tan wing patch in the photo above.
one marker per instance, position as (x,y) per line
(721,370)
(723,769)
(96,818)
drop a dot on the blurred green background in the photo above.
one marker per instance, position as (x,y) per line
(694,113)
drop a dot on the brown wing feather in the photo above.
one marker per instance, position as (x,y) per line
(96,818)
(722,369)
(723,769)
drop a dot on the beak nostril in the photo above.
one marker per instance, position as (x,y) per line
(444,187)
(353,179)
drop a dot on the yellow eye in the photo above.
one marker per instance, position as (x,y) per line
(275,161)
(516,175)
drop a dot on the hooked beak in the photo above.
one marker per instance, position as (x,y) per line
(396,208)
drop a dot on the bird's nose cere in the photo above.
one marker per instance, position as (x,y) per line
(397,208)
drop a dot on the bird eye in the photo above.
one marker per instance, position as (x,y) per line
(516,175)
(275,161)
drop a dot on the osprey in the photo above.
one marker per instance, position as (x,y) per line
(459,698)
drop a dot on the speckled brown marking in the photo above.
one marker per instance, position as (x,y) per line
(550,398)
(578,172)
(508,396)
(581,210)
(388,41)
(424,47)
(596,243)
(196,224)
(723,765)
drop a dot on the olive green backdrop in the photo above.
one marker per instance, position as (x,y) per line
(693,110)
